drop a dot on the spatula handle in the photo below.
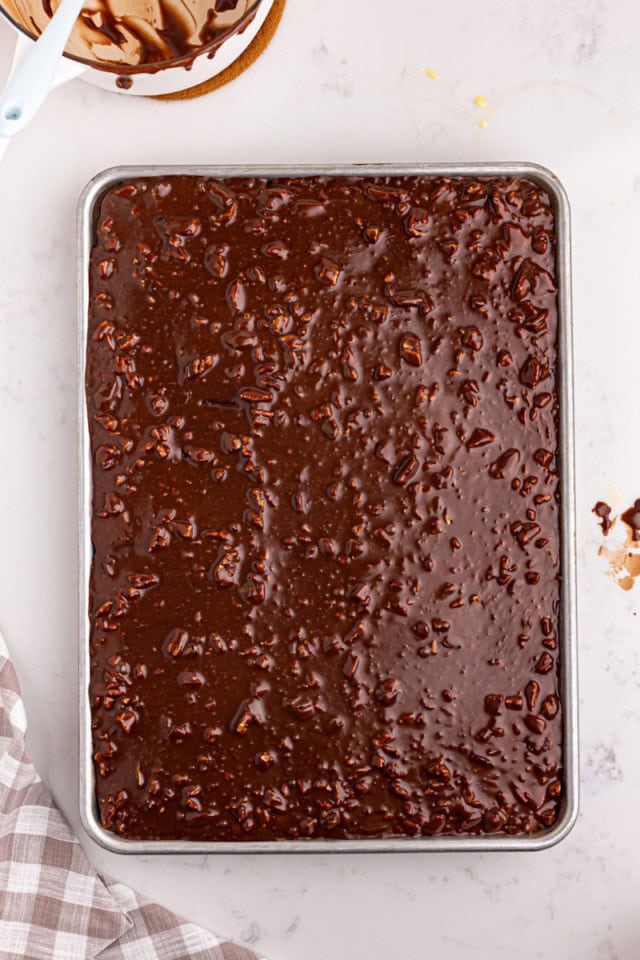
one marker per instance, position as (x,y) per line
(33,76)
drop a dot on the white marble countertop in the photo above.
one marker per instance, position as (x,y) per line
(562,85)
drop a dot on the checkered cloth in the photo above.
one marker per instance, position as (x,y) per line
(53,903)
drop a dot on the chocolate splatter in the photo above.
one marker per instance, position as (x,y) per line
(632,519)
(603,511)
(624,559)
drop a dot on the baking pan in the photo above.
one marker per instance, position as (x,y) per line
(567,632)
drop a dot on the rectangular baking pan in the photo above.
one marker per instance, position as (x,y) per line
(568,626)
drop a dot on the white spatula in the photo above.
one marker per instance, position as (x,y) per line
(33,76)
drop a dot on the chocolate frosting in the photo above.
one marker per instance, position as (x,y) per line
(324,430)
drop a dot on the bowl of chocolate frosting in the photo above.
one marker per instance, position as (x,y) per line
(145,47)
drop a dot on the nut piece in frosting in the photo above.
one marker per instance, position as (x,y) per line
(136,33)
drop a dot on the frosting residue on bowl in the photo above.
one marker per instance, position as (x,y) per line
(137,33)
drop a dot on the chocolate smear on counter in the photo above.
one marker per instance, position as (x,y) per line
(632,519)
(603,511)
(624,559)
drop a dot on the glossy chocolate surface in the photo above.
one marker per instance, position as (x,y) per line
(324,424)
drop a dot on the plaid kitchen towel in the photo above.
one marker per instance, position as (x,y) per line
(53,903)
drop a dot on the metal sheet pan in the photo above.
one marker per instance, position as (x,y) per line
(568,625)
